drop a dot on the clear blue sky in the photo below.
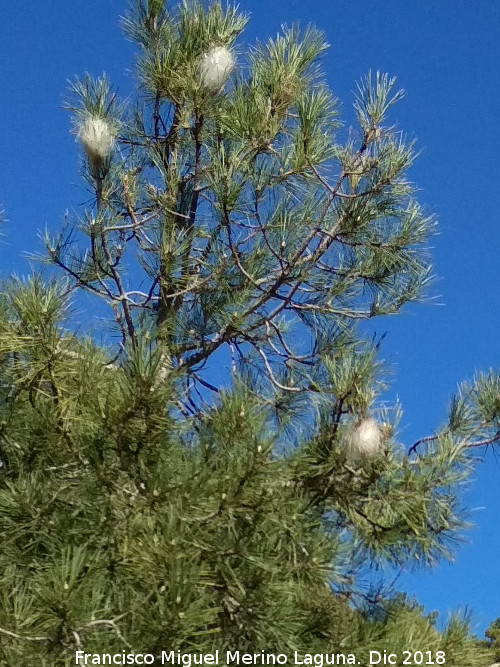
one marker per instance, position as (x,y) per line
(446,55)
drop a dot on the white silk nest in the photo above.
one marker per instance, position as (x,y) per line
(97,137)
(363,441)
(215,67)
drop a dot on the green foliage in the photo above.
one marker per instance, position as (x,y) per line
(493,639)
(149,502)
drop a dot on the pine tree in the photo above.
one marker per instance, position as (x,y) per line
(149,502)
(492,640)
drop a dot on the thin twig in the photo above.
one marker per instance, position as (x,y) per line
(23,637)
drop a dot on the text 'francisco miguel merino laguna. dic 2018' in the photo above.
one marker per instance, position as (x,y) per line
(239,658)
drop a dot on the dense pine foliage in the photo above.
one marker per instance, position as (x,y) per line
(221,474)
